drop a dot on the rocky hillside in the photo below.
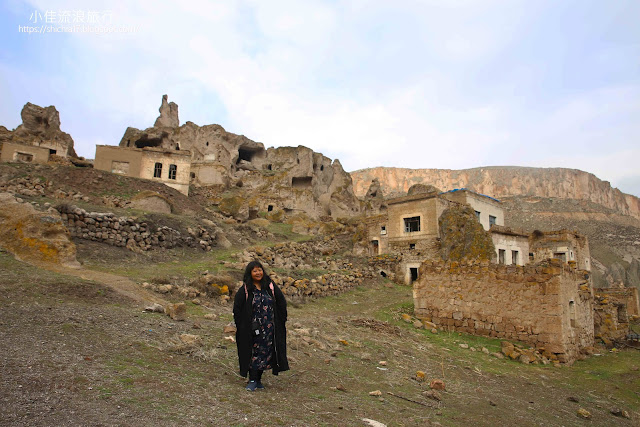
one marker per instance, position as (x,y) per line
(503,181)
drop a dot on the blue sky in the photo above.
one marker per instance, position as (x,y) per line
(421,84)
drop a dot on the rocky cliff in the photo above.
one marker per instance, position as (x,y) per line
(288,179)
(503,181)
(40,127)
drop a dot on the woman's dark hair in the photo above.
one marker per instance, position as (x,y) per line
(248,281)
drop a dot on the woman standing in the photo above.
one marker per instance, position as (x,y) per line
(260,313)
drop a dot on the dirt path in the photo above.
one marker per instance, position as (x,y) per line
(121,285)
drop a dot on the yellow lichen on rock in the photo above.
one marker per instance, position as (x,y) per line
(35,236)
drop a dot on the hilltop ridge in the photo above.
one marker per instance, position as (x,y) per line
(503,181)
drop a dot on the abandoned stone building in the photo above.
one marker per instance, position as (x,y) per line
(287,179)
(409,227)
(15,152)
(567,246)
(546,305)
(169,167)
(488,210)
(36,138)
(535,288)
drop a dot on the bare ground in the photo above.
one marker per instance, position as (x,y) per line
(78,352)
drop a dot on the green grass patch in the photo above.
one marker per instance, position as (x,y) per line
(285,231)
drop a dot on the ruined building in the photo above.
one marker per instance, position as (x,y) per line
(37,138)
(471,273)
(287,179)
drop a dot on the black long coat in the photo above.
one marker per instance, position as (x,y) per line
(243,313)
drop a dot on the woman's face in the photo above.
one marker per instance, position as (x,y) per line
(256,274)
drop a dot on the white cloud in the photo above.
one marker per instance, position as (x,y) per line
(429,84)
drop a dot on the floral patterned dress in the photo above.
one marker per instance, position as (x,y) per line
(262,344)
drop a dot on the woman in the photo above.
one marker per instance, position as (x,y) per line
(260,313)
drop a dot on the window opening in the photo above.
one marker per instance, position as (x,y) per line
(412,224)
(572,313)
(501,255)
(301,181)
(383,229)
(412,246)
(52,151)
(562,256)
(269,208)
(157,170)
(23,157)
(622,314)
(478,215)
(492,220)
(514,257)
(173,169)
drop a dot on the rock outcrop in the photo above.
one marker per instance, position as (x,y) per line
(498,181)
(374,202)
(41,127)
(168,114)
(35,236)
(290,179)
(462,237)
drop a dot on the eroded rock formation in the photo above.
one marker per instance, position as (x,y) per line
(41,127)
(35,236)
(498,181)
(291,179)
(168,114)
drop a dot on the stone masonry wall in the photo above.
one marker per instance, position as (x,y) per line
(129,232)
(544,305)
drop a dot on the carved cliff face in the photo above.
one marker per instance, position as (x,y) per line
(41,127)
(291,179)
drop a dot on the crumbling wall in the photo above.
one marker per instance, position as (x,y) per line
(568,245)
(129,232)
(545,305)
(612,312)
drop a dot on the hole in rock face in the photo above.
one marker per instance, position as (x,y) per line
(301,182)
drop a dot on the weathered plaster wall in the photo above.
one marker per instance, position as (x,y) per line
(11,152)
(510,243)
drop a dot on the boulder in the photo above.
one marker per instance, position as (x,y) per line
(35,236)
(177,311)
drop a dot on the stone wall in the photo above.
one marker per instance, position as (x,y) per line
(626,296)
(545,305)
(129,232)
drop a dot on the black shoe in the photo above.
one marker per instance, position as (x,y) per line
(252,385)
(259,385)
